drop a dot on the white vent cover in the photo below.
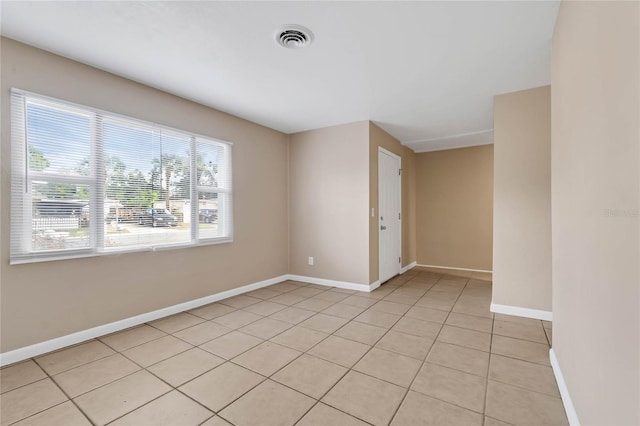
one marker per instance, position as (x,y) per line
(294,36)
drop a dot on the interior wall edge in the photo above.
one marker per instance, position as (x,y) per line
(569,409)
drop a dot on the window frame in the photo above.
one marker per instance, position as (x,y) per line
(21,227)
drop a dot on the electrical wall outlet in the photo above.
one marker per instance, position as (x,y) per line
(310,260)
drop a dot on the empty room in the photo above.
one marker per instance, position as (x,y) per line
(319,213)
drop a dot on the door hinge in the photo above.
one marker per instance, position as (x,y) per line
(399,172)
(399,260)
(399,216)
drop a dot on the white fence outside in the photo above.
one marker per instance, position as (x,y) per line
(44,223)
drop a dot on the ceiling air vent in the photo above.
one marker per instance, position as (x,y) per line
(294,36)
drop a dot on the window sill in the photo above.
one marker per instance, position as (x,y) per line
(79,254)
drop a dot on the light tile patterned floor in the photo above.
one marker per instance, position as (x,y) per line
(423,349)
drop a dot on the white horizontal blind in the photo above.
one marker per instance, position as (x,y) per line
(87,182)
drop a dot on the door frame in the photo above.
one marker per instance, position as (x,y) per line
(399,158)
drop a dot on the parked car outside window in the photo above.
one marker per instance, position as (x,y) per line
(157,217)
(208,215)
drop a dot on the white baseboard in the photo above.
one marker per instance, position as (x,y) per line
(84,335)
(406,268)
(331,283)
(569,409)
(453,268)
(521,312)
(374,285)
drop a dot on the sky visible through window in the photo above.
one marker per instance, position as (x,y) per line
(61,141)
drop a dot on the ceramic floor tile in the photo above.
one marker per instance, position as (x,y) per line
(390,307)
(455,387)
(488,421)
(216,421)
(237,319)
(265,308)
(156,350)
(221,386)
(340,351)
(361,332)
(265,328)
(95,374)
(465,337)
(269,403)
(343,311)
(66,359)
(310,375)
(517,406)
(185,366)
(473,306)
(283,287)
(535,377)
(323,415)
(201,333)
(28,400)
(324,323)
(212,311)
(287,299)
(377,318)
(111,401)
(460,358)
(406,344)
(176,322)
(240,301)
(65,414)
(365,397)
(331,296)
(292,315)
(20,374)
(362,302)
(231,345)
(471,322)
(533,333)
(418,409)
(389,366)
(300,338)
(417,327)
(264,293)
(343,291)
(267,358)
(410,292)
(316,305)
(126,339)
(172,409)
(547,324)
(521,349)
(308,291)
(427,314)
(437,304)
(399,298)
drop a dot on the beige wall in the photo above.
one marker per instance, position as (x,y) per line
(595,183)
(45,300)
(455,207)
(380,138)
(329,191)
(522,199)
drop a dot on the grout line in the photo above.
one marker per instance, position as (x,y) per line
(429,352)
(392,288)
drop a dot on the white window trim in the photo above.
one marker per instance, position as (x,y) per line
(21,179)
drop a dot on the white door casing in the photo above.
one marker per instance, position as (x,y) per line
(389,214)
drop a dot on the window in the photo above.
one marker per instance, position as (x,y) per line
(87,182)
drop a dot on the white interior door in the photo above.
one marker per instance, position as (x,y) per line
(389,205)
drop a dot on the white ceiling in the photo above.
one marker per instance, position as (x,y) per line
(425,72)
